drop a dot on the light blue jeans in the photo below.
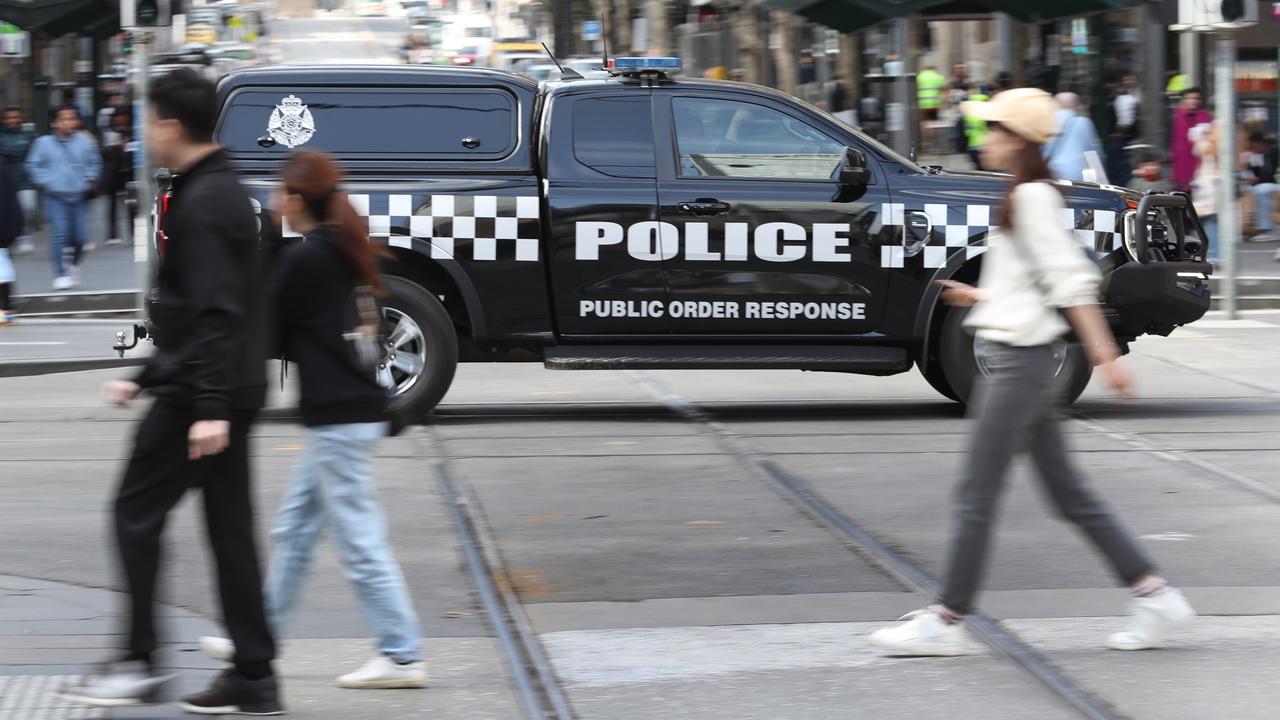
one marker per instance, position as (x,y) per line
(1210,224)
(1265,194)
(334,485)
(67,216)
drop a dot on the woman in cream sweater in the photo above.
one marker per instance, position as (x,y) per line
(1035,279)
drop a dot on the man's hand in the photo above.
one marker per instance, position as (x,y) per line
(120,392)
(207,438)
(958,294)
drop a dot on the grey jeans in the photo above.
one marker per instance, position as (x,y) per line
(1016,410)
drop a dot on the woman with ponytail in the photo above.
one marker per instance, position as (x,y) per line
(345,411)
(1036,284)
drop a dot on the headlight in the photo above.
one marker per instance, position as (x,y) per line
(1130,229)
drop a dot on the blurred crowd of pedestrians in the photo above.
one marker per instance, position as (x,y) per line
(1190,164)
(54,179)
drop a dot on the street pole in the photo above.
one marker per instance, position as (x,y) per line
(1225,80)
(142,234)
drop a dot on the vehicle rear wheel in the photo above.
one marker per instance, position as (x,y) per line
(422,349)
(938,381)
(963,360)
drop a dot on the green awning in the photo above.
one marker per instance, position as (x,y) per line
(59,17)
(853,15)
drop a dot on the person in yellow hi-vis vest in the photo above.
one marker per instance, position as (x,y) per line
(975,128)
(929,86)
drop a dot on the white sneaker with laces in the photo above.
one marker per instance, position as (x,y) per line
(922,632)
(1155,617)
(62,282)
(383,672)
(218,648)
(118,684)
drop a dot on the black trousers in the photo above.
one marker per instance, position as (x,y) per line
(157,477)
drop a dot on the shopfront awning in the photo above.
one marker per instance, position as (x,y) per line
(853,15)
(59,17)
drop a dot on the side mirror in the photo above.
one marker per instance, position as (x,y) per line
(853,169)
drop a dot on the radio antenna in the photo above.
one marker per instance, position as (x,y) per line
(569,74)
(604,41)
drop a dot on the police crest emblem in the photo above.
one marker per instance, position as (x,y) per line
(291,123)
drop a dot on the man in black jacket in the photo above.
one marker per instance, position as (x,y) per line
(208,377)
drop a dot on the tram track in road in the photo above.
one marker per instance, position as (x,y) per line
(537,689)
(1001,641)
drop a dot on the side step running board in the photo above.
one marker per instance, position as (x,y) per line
(838,358)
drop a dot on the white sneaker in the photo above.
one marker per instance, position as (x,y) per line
(75,276)
(90,246)
(383,672)
(115,241)
(24,245)
(120,684)
(1155,617)
(923,632)
(218,648)
(62,282)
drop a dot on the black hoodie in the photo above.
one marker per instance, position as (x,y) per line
(209,321)
(311,285)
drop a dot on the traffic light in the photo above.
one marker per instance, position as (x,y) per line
(1232,10)
(145,13)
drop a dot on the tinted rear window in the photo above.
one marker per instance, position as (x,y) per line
(429,123)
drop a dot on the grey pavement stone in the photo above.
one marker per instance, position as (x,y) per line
(595,528)
(779,671)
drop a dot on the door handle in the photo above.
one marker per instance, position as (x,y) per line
(704,206)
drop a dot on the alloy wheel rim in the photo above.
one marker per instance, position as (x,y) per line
(405,360)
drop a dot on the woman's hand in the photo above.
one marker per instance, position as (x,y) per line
(958,294)
(1118,378)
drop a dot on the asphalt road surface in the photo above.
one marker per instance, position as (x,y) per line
(666,573)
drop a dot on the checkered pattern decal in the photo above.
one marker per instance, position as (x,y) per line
(967,227)
(494,227)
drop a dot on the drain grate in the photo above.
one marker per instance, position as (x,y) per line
(35,697)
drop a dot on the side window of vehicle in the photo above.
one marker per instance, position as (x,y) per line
(614,135)
(382,123)
(735,139)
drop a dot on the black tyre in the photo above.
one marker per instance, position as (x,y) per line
(422,352)
(938,381)
(961,361)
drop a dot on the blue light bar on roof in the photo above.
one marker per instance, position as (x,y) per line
(647,64)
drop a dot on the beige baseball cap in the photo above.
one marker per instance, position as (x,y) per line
(1027,112)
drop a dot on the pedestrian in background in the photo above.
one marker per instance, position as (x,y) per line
(1033,275)
(929,87)
(1204,186)
(66,166)
(1150,175)
(975,128)
(325,291)
(1124,129)
(117,171)
(1186,117)
(10,229)
(1076,135)
(208,376)
(1263,164)
(15,142)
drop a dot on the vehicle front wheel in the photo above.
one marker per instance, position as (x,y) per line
(963,360)
(422,349)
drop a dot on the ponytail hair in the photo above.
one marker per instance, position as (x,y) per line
(1029,166)
(315,177)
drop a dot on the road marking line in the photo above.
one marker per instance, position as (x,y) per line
(16,343)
